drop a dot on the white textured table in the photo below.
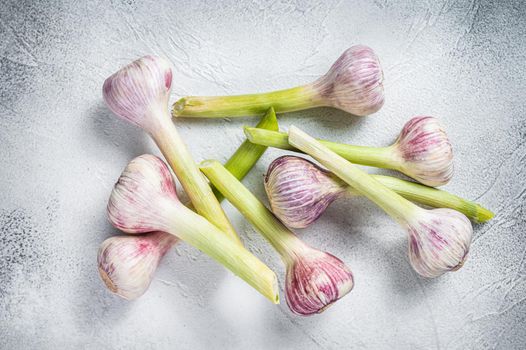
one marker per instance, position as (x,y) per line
(62,150)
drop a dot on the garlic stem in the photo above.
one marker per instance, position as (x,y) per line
(285,242)
(200,233)
(247,155)
(392,203)
(432,197)
(288,100)
(198,190)
(380,157)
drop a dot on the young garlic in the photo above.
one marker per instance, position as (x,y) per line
(439,239)
(353,84)
(299,191)
(127,264)
(144,200)
(422,150)
(314,279)
(138,93)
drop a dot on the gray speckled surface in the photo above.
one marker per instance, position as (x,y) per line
(62,150)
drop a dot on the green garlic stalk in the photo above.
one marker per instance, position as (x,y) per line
(247,155)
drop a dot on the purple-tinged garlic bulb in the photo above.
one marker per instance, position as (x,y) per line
(432,247)
(138,93)
(315,280)
(439,241)
(299,191)
(144,199)
(144,192)
(127,264)
(425,151)
(353,84)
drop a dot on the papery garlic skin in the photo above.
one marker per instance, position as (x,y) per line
(424,151)
(138,89)
(354,83)
(315,280)
(299,191)
(127,264)
(439,241)
(143,190)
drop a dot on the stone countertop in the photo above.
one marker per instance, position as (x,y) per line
(62,151)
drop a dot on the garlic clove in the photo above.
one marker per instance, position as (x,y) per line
(141,196)
(354,83)
(315,280)
(425,151)
(439,241)
(138,89)
(127,264)
(299,191)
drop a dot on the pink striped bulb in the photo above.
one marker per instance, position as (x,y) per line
(127,264)
(439,241)
(139,92)
(354,83)
(142,195)
(299,191)
(315,280)
(425,151)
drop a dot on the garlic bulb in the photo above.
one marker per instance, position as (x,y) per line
(353,84)
(425,151)
(139,92)
(315,280)
(439,241)
(127,263)
(298,191)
